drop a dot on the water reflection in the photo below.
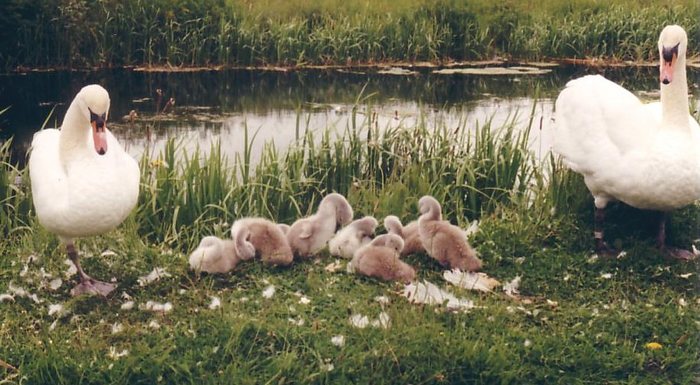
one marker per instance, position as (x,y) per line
(220,105)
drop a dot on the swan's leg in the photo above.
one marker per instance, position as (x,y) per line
(87,285)
(670,252)
(601,247)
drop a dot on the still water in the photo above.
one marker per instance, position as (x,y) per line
(279,106)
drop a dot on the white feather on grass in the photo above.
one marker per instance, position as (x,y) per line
(359,321)
(7,297)
(55,284)
(428,293)
(18,291)
(56,309)
(157,307)
(512,288)
(269,292)
(383,321)
(469,280)
(338,340)
(71,270)
(155,274)
(334,266)
(215,303)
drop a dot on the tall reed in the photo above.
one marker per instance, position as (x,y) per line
(15,198)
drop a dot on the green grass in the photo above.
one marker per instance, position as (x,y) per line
(595,333)
(104,33)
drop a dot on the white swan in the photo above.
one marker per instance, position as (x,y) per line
(645,155)
(83,183)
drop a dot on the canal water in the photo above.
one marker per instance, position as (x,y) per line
(201,107)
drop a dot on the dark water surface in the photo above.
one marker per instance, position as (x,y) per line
(219,105)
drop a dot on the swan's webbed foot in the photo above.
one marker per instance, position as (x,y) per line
(87,285)
(92,286)
(604,251)
(677,254)
(672,253)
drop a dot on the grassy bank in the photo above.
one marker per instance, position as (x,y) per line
(581,320)
(76,34)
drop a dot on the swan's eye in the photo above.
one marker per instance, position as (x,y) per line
(669,53)
(93,116)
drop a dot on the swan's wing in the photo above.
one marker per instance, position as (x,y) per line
(597,122)
(46,173)
(306,230)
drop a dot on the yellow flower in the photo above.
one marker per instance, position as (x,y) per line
(653,346)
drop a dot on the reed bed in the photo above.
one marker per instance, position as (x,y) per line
(476,170)
(382,170)
(103,33)
(479,171)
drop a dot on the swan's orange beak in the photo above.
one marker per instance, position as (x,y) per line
(99,136)
(666,75)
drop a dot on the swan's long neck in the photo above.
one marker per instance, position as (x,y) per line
(674,99)
(434,212)
(75,134)
(330,206)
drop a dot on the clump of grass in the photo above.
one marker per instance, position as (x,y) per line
(15,198)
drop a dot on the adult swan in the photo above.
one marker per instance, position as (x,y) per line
(83,183)
(645,155)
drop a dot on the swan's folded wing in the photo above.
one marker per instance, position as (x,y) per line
(597,122)
(306,230)
(46,173)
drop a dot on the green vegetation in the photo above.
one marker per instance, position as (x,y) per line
(105,33)
(582,320)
